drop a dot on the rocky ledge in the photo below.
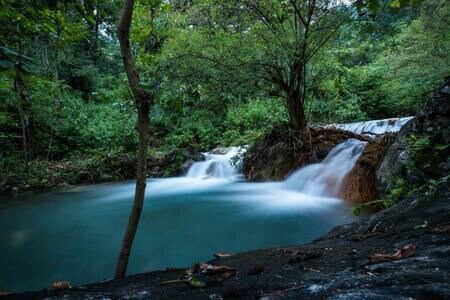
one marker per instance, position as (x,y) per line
(399,253)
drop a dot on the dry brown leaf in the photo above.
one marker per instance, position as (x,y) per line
(208,269)
(61,285)
(407,251)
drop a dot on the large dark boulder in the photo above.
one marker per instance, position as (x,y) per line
(432,121)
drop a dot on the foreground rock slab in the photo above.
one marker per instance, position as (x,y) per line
(335,266)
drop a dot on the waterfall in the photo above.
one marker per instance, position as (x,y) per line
(322,179)
(218,163)
(374,126)
(325,178)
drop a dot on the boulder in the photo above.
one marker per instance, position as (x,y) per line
(432,120)
(359,185)
(279,152)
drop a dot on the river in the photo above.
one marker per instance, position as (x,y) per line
(74,234)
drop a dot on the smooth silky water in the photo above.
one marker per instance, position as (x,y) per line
(75,234)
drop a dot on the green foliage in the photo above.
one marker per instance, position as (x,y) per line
(249,121)
(425,153)
(207,62)
(43,175)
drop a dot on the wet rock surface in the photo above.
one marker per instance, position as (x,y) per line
(279,153)
(433,120)
(335,266)
(360,184)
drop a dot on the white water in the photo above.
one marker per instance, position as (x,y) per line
(319,180)
(374,126)
(216,165)
(325,179)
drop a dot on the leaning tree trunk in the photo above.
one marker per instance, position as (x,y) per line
(143,102)
(26,119)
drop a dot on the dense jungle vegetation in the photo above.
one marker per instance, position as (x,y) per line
(216,71)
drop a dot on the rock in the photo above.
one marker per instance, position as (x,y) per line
(186,165)
(432,120)
(279,152)
(359,185)
(173,163)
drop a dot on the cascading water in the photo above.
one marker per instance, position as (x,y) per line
(325,179)
(201,213)
(374,126)
(319,180)
(216,165)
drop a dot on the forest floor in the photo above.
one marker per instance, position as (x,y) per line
(400,253)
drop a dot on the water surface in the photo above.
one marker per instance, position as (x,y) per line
(75,234)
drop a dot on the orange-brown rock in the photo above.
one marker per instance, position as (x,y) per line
(359,186)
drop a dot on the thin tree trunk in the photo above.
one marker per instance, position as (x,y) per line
(138,203)
(143,102)
(26,119)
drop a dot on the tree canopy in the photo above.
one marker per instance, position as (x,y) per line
(224,73)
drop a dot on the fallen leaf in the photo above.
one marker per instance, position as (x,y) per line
(222,254)
(407,251)
(208,269)
(61,285)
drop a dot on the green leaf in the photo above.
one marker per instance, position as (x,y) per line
(90,19)
(194,282)
(395,4)
(357,210)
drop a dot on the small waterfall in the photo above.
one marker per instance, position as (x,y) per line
(217,164)
(374,126)
(325,178)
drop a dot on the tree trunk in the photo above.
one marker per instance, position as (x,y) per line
(141,178)
(143,103)
(26,119)
(296,94)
